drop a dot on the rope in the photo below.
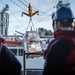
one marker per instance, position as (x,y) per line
(29,24)
(33,24)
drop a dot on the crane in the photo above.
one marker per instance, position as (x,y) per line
(30,14)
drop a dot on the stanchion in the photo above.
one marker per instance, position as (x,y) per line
(24,61)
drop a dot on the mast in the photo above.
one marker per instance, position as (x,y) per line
(4,15)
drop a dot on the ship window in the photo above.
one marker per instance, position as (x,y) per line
(14,51)
(20,52)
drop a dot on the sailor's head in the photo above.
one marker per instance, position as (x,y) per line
(63,17)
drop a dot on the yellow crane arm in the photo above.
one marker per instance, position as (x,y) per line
(25,14)
(35,13)
(30,14)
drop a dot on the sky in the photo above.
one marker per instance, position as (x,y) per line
(42,20)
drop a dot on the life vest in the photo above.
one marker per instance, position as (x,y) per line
(46,51)
(70,59)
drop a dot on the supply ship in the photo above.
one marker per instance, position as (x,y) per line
(29,46)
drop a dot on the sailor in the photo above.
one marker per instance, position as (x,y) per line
(60,53)
(9,64)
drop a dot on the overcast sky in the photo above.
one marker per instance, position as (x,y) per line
(43,20)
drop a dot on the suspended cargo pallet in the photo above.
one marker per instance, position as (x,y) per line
(33,43)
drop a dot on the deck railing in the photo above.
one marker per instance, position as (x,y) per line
(24,61)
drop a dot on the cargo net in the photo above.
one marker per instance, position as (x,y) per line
(34,46)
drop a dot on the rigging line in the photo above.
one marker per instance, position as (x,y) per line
(16,18)
(47,15)
(36,22)
(28,25)
(10,31)
(33,24)
(18,5)
(51,8)
(41,20)
(40,17)
(2,2)
(23,3)
(36,9)
(45,11)
(25,27)
(41,11)
(26,1)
